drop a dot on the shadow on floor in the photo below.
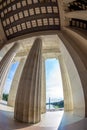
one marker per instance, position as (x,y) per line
(7,121)
(80,125)
(49,121)
(72,122)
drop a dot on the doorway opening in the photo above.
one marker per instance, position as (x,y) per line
(54,87)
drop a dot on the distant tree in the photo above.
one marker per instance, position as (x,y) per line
(60,104)
(5,97)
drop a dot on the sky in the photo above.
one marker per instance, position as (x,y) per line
(10,77)
(53,79)
(54,88)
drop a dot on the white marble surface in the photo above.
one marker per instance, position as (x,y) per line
(49,120)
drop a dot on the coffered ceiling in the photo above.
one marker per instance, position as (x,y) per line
(19,17)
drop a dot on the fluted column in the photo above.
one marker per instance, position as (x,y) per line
(43,88)
(68,101)
(15,82)
(28,98)
(5,64)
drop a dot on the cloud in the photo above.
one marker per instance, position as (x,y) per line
(53,80)
(7,85)
(10,77)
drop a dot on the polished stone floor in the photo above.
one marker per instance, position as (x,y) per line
(54,120)
(68,120)
(49,121)
(79,125)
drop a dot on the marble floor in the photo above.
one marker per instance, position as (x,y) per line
(54,120)
(68,120)
(49,121)
(79,125)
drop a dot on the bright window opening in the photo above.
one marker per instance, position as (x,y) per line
(9,79)
(54,89)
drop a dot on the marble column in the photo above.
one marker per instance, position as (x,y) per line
(43,88)
(68,100)
(28,98)
(5,64)
(15,82)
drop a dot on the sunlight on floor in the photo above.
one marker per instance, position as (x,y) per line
(49,120)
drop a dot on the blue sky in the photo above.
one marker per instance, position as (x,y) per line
(53,79)
(10,77)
